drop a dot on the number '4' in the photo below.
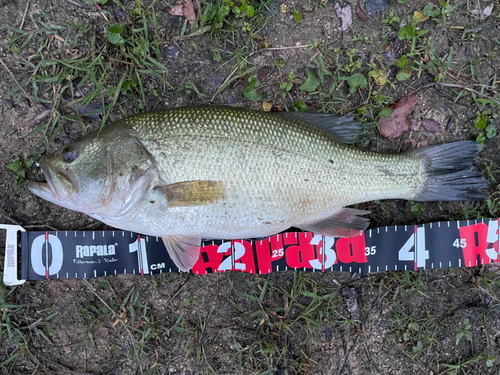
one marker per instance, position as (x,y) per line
(417,242)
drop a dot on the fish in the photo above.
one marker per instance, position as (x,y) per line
(215,172)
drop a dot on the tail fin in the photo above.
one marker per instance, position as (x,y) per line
(450,173)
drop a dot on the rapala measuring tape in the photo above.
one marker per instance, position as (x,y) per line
(86,254)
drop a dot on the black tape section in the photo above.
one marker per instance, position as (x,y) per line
(85,254)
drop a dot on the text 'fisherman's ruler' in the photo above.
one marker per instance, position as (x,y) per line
(85,254)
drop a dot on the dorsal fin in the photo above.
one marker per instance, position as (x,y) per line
(345,129)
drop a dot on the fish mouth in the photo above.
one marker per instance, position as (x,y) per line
(59,185)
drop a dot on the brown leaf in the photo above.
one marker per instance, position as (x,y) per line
(177,10)
(185,9)
(361,13)
(397,123)
(431,125)
(263,73)
(408,144)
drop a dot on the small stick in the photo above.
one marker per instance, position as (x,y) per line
(178,291)
(15,80)
(460,87)
(24,16)
(9,218)
(63,367)
(481,28)
(468,89)
(348,354)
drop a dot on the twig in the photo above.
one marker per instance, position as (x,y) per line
(24,15)
(481,28)
(178,291)
(281,48)
(64,367)
(348,354)
(41,116)
(15,80)
(381,63)
(9,218)
(75,3)
(40,225)
(468,89)
(119,319)
(461,87)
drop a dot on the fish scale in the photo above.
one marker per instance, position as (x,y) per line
(224,173)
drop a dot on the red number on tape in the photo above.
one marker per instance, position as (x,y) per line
(352,250)
(476,244)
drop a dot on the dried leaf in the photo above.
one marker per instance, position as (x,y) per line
(266,106)
(487,11)
(408,144)
(420,16)
(177,10)
(397,123)
(380,77)
(431,125)
(361,13)
(185,9)
(345,14)
(263,73)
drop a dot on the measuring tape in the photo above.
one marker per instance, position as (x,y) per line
(87,254)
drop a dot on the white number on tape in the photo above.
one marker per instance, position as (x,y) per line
(416,242)
(40,251)
(239,251)
(330,254)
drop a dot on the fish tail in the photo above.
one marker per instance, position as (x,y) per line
(450,174)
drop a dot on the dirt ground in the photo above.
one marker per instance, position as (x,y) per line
(429,322)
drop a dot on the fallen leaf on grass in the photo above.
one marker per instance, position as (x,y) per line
(266,106)
(431,125)
(408,144)
(485,13)
(345,14)
(420,16)
(361,13)
(184,9)
(397,123)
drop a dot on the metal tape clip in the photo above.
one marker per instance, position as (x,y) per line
(11,263)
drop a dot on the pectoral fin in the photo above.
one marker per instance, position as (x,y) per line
(345,223)
(192,193)
(184,251)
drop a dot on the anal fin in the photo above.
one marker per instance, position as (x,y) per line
(345,223)
(183,250)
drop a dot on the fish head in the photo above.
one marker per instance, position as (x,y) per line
(105,175)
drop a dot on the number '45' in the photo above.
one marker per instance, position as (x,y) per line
(460,242)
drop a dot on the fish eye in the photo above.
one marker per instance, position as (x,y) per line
(68,155)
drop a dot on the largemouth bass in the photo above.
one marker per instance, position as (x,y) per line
(193,173)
